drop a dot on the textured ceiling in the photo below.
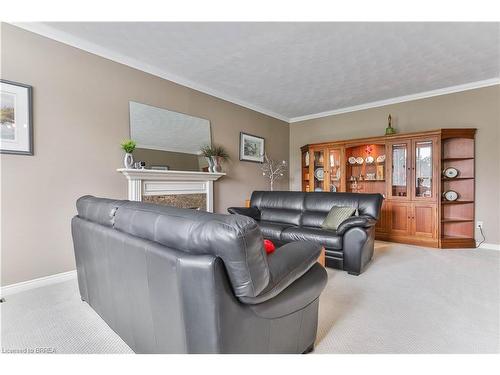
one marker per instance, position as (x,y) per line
(297,69)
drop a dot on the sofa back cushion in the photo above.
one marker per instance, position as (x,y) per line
(236,239)
(311,209)
(98,210)
(279,206)
(317,205)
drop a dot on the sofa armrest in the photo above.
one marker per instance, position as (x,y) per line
(252,212)
(287,264)
(363,221)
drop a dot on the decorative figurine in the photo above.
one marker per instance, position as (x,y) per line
(390,130)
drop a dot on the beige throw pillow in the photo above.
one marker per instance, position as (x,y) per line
(336,216)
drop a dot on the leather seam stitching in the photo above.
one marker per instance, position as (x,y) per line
(246,264)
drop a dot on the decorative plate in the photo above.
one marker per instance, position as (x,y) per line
(450,172)
(450,195)
(369,159)
(319,173)
(381,159)
(333,189)
(359,160)
(352,160)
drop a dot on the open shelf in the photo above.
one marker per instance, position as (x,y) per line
(376,169)
(454,149)
(456,202)
(456,237)
(456,179)
(457,217)
(457,159)
(460,229)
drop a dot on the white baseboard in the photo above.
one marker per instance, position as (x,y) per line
(36,283)
(490,246)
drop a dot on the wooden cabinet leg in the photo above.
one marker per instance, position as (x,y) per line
(321,258)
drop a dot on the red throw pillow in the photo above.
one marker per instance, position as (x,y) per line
(269,246)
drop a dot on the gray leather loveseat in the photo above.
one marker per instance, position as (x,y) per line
(170,280)
(287,216)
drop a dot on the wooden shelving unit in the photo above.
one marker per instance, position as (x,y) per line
(457,217)
(410,179)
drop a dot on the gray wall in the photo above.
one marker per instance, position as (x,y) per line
(475,109)
(80,118)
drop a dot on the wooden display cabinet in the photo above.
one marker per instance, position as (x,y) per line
(407,169)
(323,169)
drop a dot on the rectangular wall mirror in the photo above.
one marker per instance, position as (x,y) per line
(168,139)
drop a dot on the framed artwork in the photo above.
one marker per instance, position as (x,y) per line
(251,148)
(16,118)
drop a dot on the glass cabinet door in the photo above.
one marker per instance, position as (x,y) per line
(423,169)
(335,171)
(318,171)
(399,170)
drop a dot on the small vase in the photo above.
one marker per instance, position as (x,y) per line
(210,164)
(217,160)
(128,161)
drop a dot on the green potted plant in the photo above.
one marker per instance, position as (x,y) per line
(128,146)
(215,155)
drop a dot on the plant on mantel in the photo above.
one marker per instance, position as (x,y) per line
(215,155)
(128,146)
(273,170)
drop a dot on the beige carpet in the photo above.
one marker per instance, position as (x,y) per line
(409,300)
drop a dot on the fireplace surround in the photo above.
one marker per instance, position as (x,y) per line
(178,188)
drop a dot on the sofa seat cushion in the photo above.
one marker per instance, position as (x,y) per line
(296,296)
(326,238)
(286,265)
(271,230)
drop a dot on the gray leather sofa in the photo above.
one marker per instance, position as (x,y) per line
(287,216)
(170,280)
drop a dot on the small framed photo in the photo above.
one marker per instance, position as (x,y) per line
(251,148)
(16,118)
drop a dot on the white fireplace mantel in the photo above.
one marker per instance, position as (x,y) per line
(157,182)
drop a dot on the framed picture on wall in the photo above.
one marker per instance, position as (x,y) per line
(251,148)
(16,118)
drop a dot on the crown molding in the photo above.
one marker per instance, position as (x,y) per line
(63,37)
(401,99)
